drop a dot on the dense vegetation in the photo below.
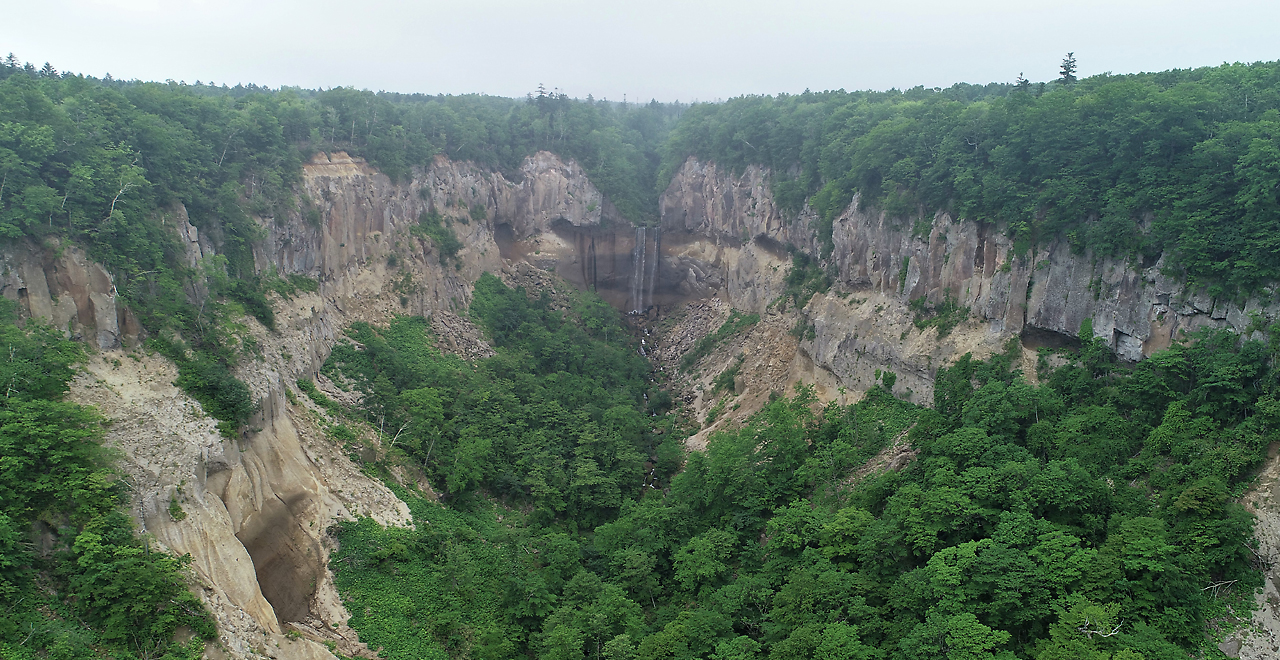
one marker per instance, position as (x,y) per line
(74,581)
(103,164)
(806,278)
(1195,151)
(557,419)
(1090,516)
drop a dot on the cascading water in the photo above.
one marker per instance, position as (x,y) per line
(653,267)
(644,270)
(589,267)
(637,272)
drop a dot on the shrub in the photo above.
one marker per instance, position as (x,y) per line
(431,225)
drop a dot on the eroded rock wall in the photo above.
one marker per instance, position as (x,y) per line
(551,216)
(255,507)
(731,238)
(723,234)
(252,510)
(289,481)
(730,226)
(60,285)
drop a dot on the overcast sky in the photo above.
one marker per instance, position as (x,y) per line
(664,49)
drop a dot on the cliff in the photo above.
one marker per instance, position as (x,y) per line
(255,508)
(725,232)
(729,226)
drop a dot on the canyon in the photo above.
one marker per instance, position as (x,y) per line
(255,508)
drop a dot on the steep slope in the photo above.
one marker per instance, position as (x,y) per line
(722,236)
(252,511)
(729,227)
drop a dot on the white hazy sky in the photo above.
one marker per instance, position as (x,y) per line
(664,49)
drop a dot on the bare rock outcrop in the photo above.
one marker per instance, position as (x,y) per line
(60,285)
(728,233)
(253,511)
(1261,638)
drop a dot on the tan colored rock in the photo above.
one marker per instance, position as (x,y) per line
(254,510)
(257,506)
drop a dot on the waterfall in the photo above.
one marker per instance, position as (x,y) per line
(644,270)
(589,274)
(653,267)
(638,271)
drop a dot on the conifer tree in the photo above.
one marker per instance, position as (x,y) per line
(1068,69)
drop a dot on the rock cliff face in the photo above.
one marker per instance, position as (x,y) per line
(552,217)
(61,285)
(724,233)
(289,482)
(254,509)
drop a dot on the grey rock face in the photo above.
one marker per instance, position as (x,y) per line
(731,225)
(257,507)
(63,287)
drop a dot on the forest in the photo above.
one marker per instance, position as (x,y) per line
(1182,162)
(1093,515)
(105,163)
(1089,512)
(90,587)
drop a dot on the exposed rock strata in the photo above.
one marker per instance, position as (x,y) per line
(254,510)
(727,236)
(63,287)
(730,229)
(1261,639)
(257,507)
